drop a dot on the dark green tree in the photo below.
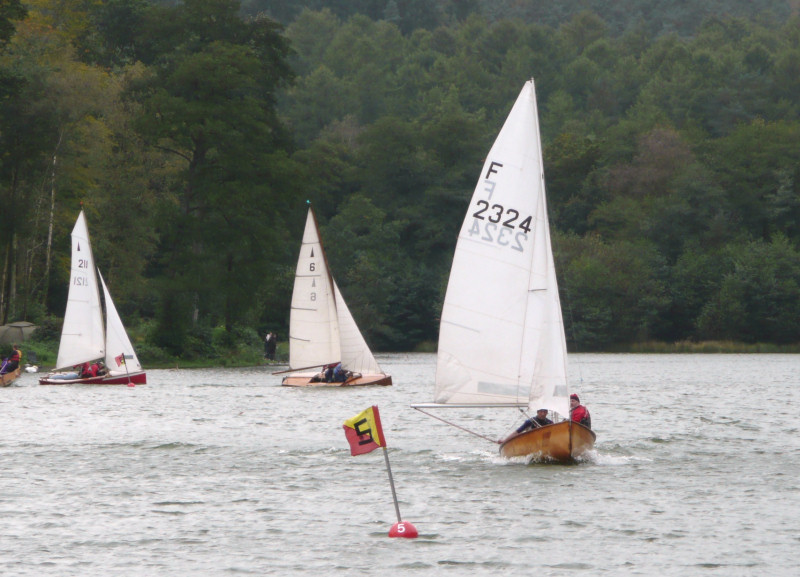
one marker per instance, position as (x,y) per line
(759,296)
(211,104)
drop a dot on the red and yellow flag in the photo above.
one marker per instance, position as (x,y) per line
(364,432)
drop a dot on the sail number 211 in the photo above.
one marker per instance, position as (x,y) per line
(81,280)
(499,224)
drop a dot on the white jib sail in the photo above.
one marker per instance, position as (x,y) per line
(501,337)
(313,322)
(117,342)
(82,337)
(356,355)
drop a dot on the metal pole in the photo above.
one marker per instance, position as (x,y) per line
(391,482)
(458,426)
(125,362)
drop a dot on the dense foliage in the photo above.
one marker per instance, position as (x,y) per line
(193,134)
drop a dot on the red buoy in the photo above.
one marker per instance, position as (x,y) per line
(403,529)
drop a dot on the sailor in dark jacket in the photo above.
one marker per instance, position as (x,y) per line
(540,420)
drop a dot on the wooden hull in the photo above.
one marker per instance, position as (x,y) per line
(139,378)
(9,378)
(301,380)
(562,442)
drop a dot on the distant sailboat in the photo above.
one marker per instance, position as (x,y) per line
(84,338)
(501,339)
(322,332)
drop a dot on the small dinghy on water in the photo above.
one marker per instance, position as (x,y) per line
(7,378)
(322,332)
(84,338)
(501,338)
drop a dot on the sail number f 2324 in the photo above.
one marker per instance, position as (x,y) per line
(493,222)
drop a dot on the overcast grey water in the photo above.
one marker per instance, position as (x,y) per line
(696,471)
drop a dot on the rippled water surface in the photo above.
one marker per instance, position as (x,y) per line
(225,472)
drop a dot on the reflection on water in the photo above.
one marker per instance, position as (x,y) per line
(224,471)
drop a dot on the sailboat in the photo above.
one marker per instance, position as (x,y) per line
(322,332)
(84,337)
(501,336)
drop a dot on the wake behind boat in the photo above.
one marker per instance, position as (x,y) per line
(84,338)
(325,346)
(501,338)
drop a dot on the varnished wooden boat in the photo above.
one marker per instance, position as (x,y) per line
(562,442)
(296,380)
(9,378)
(501,336)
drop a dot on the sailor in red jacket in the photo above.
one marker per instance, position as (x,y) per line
(578,412)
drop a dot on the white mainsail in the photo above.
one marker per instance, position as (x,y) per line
(501,339)
(117,342)
(82,336)
(313,323)
(321,328)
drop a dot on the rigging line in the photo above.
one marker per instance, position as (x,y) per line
(554,238)
(458,426)
(524,414)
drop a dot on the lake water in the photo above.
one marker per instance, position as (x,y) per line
(224,472)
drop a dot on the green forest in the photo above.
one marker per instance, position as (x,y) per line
(192,134)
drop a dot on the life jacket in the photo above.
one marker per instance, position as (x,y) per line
(14,358)
(580,414)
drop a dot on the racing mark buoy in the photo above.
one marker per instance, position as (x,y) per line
(403,529)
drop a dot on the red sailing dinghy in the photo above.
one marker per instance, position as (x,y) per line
(84,338)
(501,339)
(322,332)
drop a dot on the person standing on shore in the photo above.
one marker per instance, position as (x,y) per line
(270,345)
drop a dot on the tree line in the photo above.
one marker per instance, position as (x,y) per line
(193,134)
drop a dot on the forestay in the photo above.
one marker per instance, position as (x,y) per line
(501,337)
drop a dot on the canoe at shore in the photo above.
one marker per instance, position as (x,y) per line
(9,378)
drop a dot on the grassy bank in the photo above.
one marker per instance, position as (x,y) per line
(45,353)
(710,347)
